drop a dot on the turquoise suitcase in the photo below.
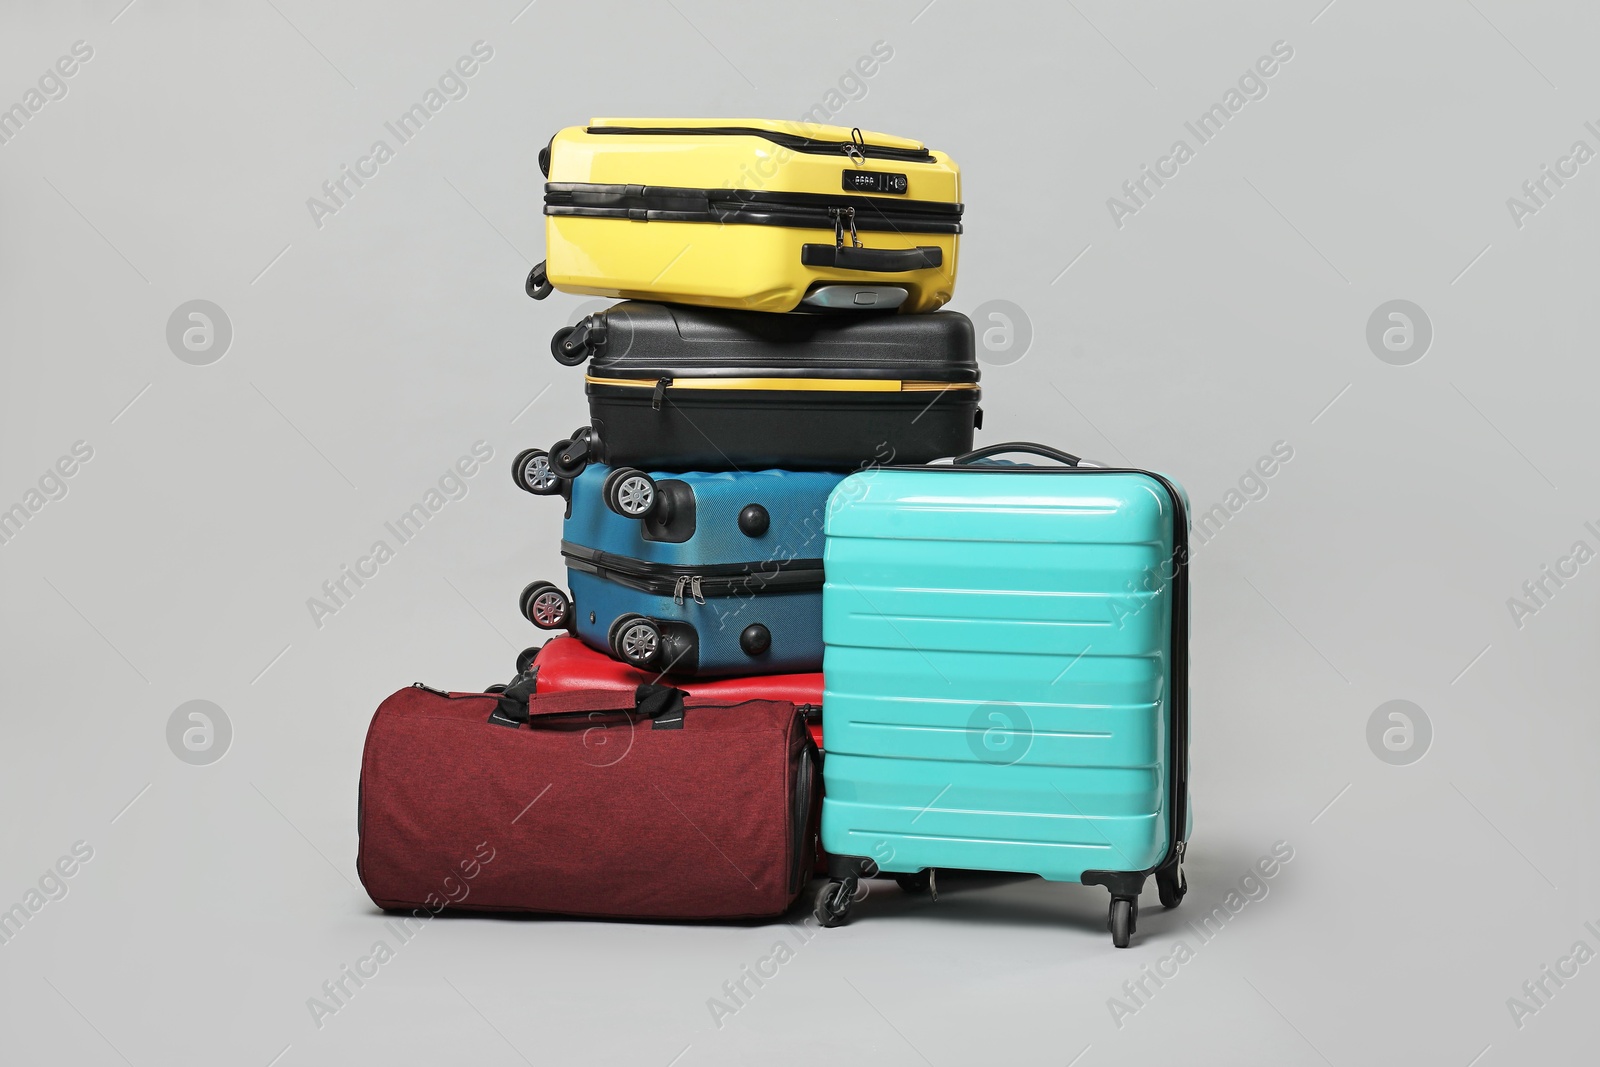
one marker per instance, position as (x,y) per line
(1005,671)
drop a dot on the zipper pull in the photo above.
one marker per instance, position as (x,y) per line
(694,589)
(857,148)
(678,587)
(429,689)
(662,385)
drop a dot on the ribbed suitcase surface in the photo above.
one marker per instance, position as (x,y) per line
(1001,669)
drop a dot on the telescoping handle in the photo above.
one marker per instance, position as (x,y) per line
(1025,447)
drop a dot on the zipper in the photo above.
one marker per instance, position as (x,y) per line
(660,386)
(691,583)
(855,149)
(684,584)
(645,203)
(430,689)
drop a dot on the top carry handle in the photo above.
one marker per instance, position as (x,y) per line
(968,459)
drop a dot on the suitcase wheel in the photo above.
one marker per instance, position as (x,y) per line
(915,884)
(630,493)
(546,606)
(636,641)
(538,284)
(1123,920)
(531,471)
(525,658)
(834,901)
(567,354)
(1171,885)
(570,455)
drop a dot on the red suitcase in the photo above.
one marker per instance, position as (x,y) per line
(600,803)
(566,664)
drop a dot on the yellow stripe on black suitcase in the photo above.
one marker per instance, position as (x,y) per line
(754,214)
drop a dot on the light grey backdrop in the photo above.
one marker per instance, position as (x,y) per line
(371,347)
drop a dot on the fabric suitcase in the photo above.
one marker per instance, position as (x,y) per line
(1006,676)
(683,388)
(693,574)
(623,805)
(565,664)
(752,214)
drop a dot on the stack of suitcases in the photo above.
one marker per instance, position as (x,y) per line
(756,532)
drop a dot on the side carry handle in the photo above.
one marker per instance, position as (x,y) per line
(874,260)
(1025,447)
(855,256)
(662,704)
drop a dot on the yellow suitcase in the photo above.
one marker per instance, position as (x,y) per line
(754,214)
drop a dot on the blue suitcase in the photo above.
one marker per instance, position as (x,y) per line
(689,574)
(1006,677)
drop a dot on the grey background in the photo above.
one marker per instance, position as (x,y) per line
(1228,314)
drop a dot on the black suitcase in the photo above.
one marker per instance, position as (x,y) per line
(694,389)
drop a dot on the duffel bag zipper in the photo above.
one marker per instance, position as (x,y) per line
(856,149)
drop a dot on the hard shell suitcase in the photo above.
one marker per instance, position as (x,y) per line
(564,664)
(683,388)
(752,214)
(1006,676)
(693,574)
(634,804)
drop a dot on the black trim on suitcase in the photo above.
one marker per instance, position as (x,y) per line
(665,203)
(798,430)
(650,340)
(667,579)
(798,143)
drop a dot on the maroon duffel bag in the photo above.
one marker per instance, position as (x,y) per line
(614,804)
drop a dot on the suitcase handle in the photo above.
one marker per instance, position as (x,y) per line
(1027,447)
(875,260)
(649,701)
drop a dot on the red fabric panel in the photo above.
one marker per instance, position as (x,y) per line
(595,816)
(565,664)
